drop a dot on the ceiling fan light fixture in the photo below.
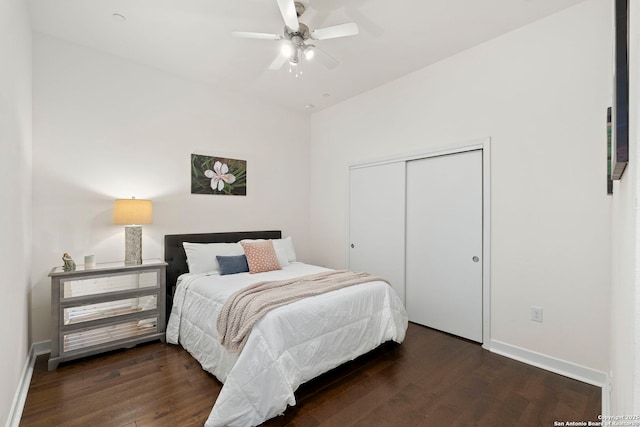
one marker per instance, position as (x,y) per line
(293,41)
(295,58)
(309,52)
(287,49)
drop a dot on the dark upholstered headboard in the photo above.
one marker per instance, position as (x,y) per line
(176,258)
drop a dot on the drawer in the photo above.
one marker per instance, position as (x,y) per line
(87,338)
(104,310)
(102,284)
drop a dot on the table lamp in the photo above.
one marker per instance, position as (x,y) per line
(132,213)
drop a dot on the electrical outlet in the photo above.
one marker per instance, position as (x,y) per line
(536,314)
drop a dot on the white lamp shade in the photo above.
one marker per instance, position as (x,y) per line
(132,211)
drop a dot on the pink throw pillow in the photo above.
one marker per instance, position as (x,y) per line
(261,256)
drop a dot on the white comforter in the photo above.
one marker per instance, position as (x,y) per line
(290,345)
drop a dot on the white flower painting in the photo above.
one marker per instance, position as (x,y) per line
(219,175)
(215,175)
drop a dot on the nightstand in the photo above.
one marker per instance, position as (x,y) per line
(104,308)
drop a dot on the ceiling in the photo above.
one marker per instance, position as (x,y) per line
(191,38)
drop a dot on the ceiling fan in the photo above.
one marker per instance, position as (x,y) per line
(296,36)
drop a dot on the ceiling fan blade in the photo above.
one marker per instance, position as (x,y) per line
(249,35)
(288,11)
(365,23)
(342,30)
(324,58)
(278,62)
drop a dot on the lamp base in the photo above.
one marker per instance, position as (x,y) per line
(133,245)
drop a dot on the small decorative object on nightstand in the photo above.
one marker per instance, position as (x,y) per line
(89,261)
(106,307)
(69,263)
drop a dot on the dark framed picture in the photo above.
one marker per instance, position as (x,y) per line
(218,175)
(620,152)
(609,180)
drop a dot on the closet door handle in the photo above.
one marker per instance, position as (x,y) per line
(475,259)
(353,246)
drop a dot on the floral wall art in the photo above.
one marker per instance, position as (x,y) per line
(218,175)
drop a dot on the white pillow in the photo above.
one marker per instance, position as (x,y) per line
(201,257)
(281,253)
(285,245)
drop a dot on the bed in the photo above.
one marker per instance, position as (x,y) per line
(287,347)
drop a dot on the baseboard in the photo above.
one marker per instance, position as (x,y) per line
(558,366)
(15,413)
(606,400)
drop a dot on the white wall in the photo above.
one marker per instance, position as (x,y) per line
(625,294)
(15,192)
(107,128)
(541,94)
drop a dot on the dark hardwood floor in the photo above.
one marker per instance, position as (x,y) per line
(432,379)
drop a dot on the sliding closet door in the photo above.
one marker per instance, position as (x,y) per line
(376,222)
(444,243)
